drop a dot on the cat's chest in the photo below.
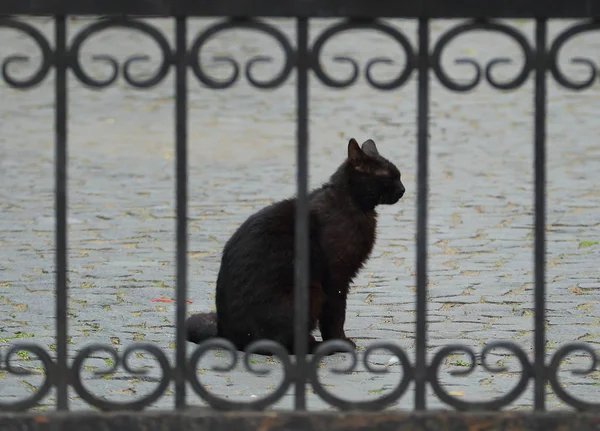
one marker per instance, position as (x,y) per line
(348,242)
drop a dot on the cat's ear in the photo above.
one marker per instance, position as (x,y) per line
(355,154)
(369,147)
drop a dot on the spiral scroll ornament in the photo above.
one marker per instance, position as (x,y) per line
(378,26)
(495,404)
(48,366)
(451,84)
(201,40)
(332,346)
(121,360)
(559,43)
(153,32)
(42,43)
(561,354)
(263,346)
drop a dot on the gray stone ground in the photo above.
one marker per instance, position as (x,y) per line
(121,215)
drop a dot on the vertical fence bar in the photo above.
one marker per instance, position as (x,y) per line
(182,203)
(540,215)
(60,166)
(301,229)
(422,178)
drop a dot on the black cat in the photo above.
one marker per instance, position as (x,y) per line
(255,286)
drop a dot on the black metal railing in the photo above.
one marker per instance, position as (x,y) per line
(301,370)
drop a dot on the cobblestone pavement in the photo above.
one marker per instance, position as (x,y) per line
(121,214)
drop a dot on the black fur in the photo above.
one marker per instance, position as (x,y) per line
(255,285)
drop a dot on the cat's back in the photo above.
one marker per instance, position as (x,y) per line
(257,261)
(264,225)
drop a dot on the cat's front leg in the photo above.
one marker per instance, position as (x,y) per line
(333,316)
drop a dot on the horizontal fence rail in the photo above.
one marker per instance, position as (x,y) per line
(540,61)
(309,8)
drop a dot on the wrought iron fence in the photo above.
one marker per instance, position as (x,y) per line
(540,60)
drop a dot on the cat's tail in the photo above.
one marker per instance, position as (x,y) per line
(201,327)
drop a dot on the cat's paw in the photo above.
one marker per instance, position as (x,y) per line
(350,341)
(346,339)
(313,344)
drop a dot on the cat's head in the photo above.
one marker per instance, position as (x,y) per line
(374,180)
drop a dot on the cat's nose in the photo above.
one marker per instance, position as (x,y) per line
(401,191)
(398,193)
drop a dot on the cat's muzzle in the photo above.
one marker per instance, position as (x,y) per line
(394,196)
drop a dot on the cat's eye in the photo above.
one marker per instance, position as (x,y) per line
(383,173)
(387,175)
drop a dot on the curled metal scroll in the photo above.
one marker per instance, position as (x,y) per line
(49,371)
(362,25)
(557,45)
(332,346)
(47,56)
(147,29)
(495,404)
(554,367)
(273,347)
(123,360)
(516,82)
(201,40)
